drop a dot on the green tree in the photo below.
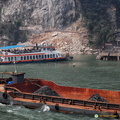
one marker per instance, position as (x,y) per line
(97,20)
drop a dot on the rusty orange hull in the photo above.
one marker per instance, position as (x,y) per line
(68,92)
(71,99)
(34,93)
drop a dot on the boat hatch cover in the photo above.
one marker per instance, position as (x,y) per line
(13,46)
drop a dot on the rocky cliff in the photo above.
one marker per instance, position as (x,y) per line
(61,22)
(47,13)
(61,19)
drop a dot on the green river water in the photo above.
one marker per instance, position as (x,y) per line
(82,71)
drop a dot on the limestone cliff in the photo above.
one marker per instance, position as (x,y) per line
(61,22)
(47,13)
(37,16)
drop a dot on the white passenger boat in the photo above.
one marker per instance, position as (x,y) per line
(30,54)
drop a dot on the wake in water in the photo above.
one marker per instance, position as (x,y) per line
(44,108)
(2,104)
(14,109)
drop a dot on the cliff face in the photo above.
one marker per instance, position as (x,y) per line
(47,13)
(61,22)
(37,16)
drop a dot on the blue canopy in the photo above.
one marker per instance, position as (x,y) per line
(14,46)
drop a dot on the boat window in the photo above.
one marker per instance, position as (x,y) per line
(21,58)
(42,56)
(50,55)
(18,58)
(14,58)
(53,55)
(30,57)
(56,55)
(48,48)
(45,56)
(33,57)
(8,58)
(27,57)
(53,49)
(11,58)
(5,58)
(39,56)
(36,56)
(24,57)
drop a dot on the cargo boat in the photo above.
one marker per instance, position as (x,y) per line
(30,54)
(34,93)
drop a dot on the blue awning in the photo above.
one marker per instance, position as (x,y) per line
(13,46)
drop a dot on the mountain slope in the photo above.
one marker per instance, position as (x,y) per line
(76,21)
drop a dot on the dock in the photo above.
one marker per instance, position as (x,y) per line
(115,56)
(109,52)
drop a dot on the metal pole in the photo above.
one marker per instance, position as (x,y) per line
(15,67)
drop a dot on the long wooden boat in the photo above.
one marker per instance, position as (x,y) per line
(34,93)
(30,54)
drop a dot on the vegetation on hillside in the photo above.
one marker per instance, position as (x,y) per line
(116,3)
(98,21)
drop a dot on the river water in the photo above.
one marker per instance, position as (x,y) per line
(83,71)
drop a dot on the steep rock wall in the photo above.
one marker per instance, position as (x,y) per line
(101,17)
(37,16)
(47,13)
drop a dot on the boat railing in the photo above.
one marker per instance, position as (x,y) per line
(31,49)
(25,51)
(13,89)
(55,99)
(3,80)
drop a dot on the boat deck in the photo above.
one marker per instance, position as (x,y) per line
(67,92)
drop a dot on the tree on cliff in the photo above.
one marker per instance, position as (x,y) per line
(98,21)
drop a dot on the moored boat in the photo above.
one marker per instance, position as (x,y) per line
(30,54)
(34,93)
